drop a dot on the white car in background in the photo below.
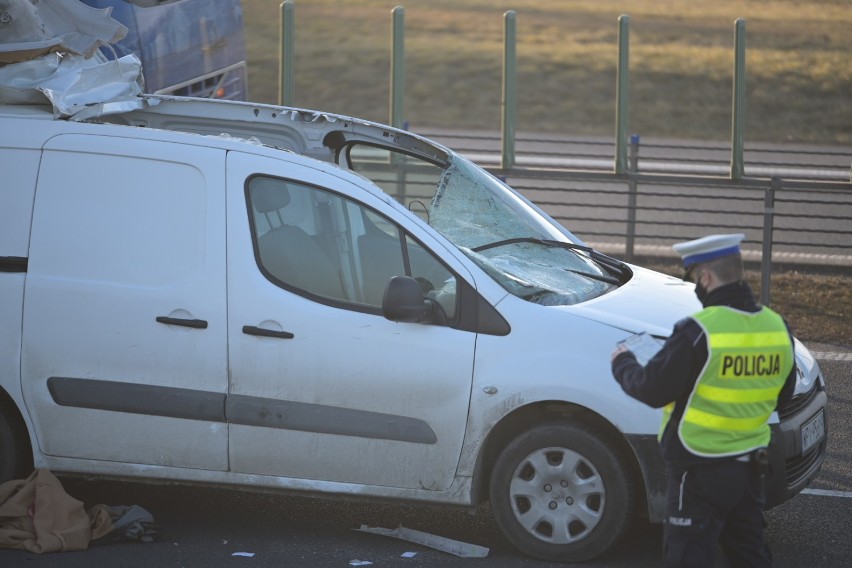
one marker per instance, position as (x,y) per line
(260,297)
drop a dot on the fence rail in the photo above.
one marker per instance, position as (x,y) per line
(812,163)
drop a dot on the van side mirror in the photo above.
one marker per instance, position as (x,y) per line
(404,302)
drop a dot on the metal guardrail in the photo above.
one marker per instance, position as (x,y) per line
(660,156)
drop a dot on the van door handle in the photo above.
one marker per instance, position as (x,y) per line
(254,330)
(195,323)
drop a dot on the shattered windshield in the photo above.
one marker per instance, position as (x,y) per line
(514,244)
(473,209)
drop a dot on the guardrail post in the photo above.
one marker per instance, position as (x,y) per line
(286,41)
(397,70)
(622,87)
(631,198)
(507,155)
(738,103)
(768,225)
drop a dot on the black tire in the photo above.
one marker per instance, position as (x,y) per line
(559,492)
(16,460)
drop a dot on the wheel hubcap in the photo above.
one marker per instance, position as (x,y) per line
(557,495)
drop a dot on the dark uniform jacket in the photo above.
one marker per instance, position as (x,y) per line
(671,374)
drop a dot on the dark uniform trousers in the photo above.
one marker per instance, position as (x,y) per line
(720,502)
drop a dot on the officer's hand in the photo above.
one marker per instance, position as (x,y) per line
(619,349)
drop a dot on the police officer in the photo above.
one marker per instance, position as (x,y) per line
(718,378)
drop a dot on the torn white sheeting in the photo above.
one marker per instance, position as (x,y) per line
(29,30)
(458,548)
(359,563)
(70,82)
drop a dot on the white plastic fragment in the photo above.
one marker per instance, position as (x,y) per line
(246,554)
(359,562)
(456,547)
(409,554)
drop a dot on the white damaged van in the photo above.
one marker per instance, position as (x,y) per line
(260,297)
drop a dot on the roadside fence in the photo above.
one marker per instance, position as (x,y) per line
(794,204)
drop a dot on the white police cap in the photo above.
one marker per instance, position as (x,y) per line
(708,248)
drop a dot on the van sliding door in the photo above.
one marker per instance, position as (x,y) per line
(124,344)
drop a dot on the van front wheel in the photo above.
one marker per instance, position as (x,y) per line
(559,492)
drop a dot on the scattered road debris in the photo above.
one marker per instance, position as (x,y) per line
(458,548)
(37,515)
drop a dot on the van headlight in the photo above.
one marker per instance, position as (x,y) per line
(807,368)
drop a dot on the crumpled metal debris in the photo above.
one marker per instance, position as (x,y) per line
(130,523)
(456,547)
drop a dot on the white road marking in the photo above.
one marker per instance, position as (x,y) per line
(828,493)
(832,356)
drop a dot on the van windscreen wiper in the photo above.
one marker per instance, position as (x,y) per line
(607,261)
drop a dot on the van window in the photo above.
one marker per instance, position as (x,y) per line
(409,180)
(510,240)
(313,241)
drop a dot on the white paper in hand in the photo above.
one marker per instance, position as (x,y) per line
(643,346)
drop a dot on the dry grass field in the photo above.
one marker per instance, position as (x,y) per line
(818,306)
(799,71)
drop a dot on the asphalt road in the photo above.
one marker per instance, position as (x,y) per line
(205,527)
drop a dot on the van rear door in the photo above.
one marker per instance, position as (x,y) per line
(124,341)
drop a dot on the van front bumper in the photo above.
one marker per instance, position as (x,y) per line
(793,469)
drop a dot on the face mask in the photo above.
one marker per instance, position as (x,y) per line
(700,292)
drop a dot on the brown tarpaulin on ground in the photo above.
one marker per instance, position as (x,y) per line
(37,515)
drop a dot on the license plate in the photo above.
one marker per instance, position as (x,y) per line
(813,431)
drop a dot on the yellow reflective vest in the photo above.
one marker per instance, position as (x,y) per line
(750,356)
